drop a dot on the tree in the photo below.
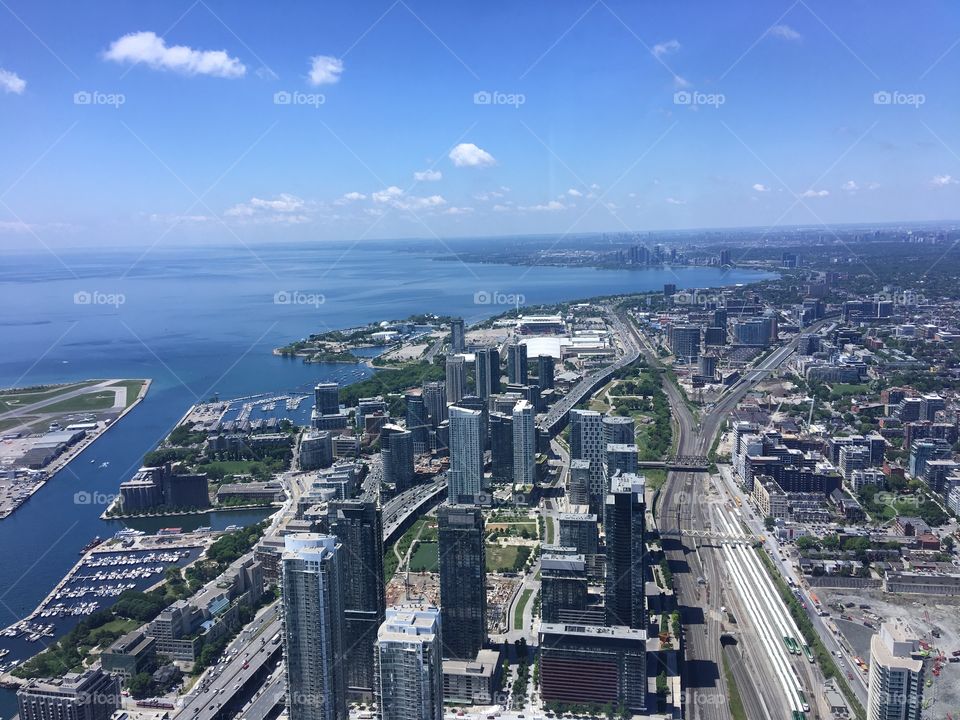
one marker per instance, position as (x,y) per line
(141,686)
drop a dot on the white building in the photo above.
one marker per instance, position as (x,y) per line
(524,444)
(409,666)
(896,679)
(465,478)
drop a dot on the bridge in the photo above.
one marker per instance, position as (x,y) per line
(710,536)
(682,463)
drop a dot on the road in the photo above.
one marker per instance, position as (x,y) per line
(255,650)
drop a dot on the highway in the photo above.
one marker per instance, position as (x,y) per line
(252,655)
(556,417)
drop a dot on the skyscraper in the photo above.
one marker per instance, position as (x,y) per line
(586,443)
(456,378)
(409,683)
(463,580)
(326,398)
(465,477)
(487,371)
(501,447)
(358,526)
(517,363)
(545,370)
(623,524)
(418,421)
(524,444)
(435,401)
(90,695)
(896,679)
(396,452)
(620,458)
(618,429)
(457,335)
(313,622)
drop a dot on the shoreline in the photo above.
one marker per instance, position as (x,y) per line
(60,463)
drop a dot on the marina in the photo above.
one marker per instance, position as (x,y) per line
(130,561)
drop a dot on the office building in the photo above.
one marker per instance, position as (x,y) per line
(472,682)
(313,626)
(457,335)
(409,665)
(623,525)
(487,371)
(620,458)
(90,695)
(578,486)
(501,447)
(456,378)
(684,341)
(358,526)
(517,369)
(465,477)
(396,452)
(896,678)
(418,420)
(463,580)
(326,398)
(586,443)
(579,531)
(545,371)
(589,664)
(618,430)
(129,655)
(524,444)
(563,588)
(315,450)
(435,402)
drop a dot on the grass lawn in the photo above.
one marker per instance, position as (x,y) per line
(229,467)
(501,559)
(655,477)
(518,610)
(14,398)
(14,422)
(425,558)
(733,694)
(100,400)
(548,529)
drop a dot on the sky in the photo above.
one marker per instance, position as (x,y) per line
(196,122)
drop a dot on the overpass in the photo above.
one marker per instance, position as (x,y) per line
(556,418)
(712,538)
(680,463)
(400,512)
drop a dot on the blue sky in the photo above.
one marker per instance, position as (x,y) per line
(192,122)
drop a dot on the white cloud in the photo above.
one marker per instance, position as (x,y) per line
(502,208)
(469,155)
(350,197)
(284,208)
(428,175)
(760,187)
(458,211)
(573,192)
(325,70)
(784,32)
(11,82)
(552,206)
(153,51)
(850,186)
(397,198)
(943,180)
(675,201)
(811,193)
(665,48)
